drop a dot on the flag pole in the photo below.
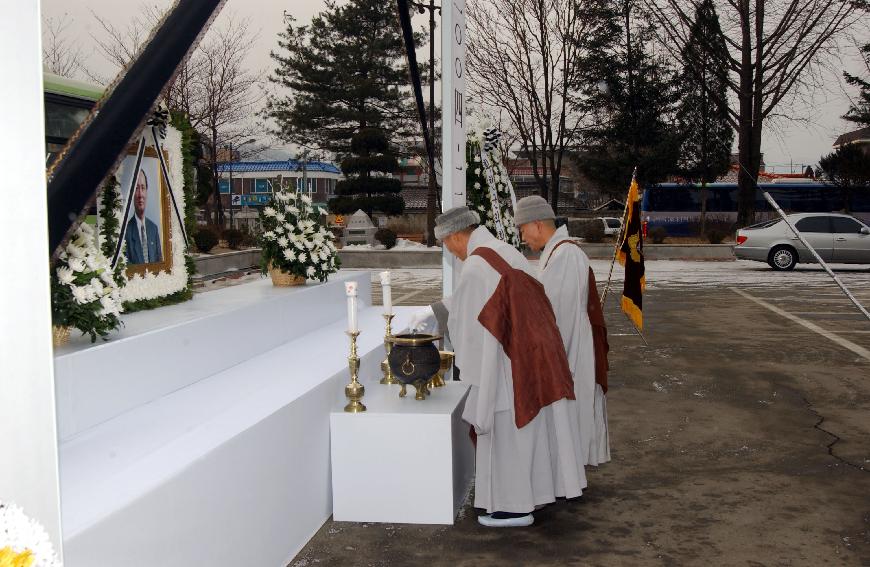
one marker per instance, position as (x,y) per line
(636,330)
(618,242)
(803,241)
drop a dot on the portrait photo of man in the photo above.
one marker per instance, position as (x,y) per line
(142,235)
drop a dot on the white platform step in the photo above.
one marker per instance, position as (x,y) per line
(161,351)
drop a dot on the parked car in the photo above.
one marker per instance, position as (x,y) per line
(612,225)
(836,238)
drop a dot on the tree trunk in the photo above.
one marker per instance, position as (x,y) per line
(218,205)
(746,174)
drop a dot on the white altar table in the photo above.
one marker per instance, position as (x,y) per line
(199,435)
(403,460)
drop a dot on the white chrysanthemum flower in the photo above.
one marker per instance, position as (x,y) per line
(107,277)
(309,245)
(279,229)
(283,242)
(310,271)
(270,212)
(269,235)
(21,533)
(109,307)
(283,196)
(306,199)
(299,243)
(65,275)
(293,209)
(77,265)
(80,294)
(288,227)
(97,285)
(302,257)
(290,255)
(75,251)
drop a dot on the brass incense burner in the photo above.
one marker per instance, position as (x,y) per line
(437,381)
(414,359)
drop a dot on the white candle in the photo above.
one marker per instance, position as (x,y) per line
(350,289)
(388,293)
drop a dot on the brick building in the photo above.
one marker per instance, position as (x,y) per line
(253,182)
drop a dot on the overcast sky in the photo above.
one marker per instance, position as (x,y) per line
(797,143)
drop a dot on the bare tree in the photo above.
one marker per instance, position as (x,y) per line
(119,46)
(214,87)
(524,57)
(777,54)
(60,54)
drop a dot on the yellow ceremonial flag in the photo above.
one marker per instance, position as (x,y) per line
(630,255)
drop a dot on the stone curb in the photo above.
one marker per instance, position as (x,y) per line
(373,259)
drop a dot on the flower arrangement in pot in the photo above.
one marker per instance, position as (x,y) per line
(296,246)
(85,290)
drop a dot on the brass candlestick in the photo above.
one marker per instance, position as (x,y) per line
(354,391)
(388,346)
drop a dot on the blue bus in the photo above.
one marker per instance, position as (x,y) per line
(677,206)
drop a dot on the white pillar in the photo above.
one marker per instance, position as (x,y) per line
(28,433)
(453,118)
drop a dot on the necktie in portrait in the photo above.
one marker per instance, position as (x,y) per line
(144,242)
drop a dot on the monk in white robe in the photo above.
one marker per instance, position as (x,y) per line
(570,285)
(509,351)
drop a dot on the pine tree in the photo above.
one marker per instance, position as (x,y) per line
(859,112)
(702,122)
(345,71)
(628,96)
(367,187)
(848,169)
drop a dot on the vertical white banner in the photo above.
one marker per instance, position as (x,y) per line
(453,118)
(28,431)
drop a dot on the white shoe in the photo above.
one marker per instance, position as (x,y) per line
(521,522)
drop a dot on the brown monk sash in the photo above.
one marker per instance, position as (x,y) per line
(599,327)
(520,317)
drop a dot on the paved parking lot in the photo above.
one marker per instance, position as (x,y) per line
(740,435)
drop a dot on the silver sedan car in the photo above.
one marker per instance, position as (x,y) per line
(836,238)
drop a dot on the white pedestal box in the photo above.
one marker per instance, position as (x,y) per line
(403,460)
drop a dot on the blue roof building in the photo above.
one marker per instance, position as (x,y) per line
(254,181)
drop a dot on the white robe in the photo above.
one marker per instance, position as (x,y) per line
(564,274)
(516,469)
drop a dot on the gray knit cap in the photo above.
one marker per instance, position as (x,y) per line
(533,208)
(454,220)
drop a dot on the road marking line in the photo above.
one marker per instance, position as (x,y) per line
(859,350)
(825,313)
(850,331)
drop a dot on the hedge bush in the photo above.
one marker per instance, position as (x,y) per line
(234,237)
(658,234)
(386,237)
(205,239)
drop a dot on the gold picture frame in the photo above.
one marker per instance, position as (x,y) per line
(151,162)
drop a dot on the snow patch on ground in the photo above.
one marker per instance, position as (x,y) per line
(401,246)
(740,273)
